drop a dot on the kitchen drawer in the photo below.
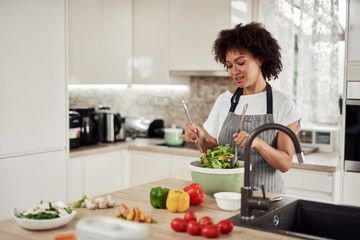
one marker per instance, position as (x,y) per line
(353,90)
(309,180)
(316,185)
(353,72)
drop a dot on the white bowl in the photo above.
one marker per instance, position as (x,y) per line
(40,224)
(229,201)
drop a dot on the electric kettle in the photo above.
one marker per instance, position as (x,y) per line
(109,125)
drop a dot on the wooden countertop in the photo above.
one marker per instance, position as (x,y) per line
(139,196)
(318,161)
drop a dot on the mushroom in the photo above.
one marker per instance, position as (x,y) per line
(101,202)
(90,204)
(111,202)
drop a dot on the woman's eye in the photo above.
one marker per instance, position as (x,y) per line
(240,64)
(228,67)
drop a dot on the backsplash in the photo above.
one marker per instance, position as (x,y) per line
(155,101)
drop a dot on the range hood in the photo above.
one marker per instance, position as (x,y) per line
(191,73)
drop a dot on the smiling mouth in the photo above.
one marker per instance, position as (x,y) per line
(239,79)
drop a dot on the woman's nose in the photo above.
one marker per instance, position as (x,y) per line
(234,70)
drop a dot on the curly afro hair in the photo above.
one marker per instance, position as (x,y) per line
(250,38)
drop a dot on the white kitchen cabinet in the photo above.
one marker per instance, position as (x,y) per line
(353,49)
(26,180)
(100,41)
(351,191)
(180,167)
(148,166)
(353,37)
(314,185)
(194,25)
(103,173)
(32,74)
(75,179)
(33,103)
(96,174)
(150,56)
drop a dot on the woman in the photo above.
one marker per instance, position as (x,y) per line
(252,57)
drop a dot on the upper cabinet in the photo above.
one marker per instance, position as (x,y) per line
(143,41)
(33,77)
(354,31)
(194,26)
(100,41)
(151,42)
(353,48)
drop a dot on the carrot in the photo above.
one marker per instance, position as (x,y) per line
(149,219)
(137,214)
(127,210)
(69,236)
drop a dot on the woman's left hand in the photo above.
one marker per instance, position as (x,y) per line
(240,139)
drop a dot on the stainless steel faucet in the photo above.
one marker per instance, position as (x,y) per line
(248,202)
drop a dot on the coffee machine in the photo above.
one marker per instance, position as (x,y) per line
(89,133)
(111,125)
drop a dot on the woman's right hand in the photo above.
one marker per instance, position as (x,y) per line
(191,130)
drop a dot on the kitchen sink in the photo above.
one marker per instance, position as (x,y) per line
(307,219)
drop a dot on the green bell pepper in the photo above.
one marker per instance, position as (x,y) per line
(158,197)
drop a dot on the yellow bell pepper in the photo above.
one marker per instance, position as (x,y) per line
(178,201)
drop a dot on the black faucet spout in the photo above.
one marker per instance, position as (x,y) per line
(247,201)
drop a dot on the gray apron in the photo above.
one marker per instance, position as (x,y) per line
(262,172)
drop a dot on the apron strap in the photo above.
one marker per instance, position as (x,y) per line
(235,99)
(269,98)
(236,96)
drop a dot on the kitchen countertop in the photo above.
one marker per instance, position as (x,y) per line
(139,196)
(318,161)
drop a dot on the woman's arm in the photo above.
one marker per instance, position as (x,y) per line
(280,158)
(192,129)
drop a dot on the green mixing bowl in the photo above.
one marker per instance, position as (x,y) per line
(217,180)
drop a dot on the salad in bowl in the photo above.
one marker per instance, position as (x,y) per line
(218,158)
(46,215)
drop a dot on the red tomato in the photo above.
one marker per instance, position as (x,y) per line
(226,226)
(178,224)
(205,221)
(193,227)
(190,215)
(211,231)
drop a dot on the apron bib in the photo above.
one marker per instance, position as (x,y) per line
(262,172)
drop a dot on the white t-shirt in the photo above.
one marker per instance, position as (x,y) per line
(284,110)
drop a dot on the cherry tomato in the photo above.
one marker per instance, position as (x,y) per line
(178,224)
(193,227)
(190,215)
(226,226)
(211,231)
(205,221)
